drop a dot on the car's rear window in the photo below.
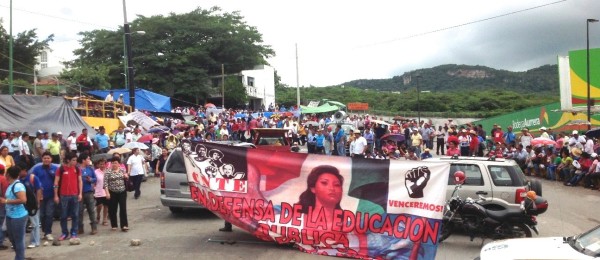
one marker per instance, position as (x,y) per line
(175,164)
(507,175)
(472,172)
(271,141)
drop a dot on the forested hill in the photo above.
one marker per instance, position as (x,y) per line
(452,77)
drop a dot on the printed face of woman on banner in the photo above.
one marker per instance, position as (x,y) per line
(323,189)
(328,190)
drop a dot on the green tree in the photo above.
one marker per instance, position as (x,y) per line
(26,47)
(179,54)
(235,92)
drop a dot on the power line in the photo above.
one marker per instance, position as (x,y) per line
(461,25)
(57,17)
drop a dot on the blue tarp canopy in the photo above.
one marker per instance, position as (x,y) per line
(144,99)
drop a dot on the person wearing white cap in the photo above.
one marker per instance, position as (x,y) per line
(576,141)
(544,134)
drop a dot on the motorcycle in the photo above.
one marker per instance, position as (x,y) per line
(512,222)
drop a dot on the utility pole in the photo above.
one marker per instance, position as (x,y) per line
(11,89)
(297,81)
(223,85)
(129,59)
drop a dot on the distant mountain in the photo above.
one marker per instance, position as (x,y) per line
(452,77)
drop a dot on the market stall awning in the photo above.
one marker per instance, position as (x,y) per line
(320,109)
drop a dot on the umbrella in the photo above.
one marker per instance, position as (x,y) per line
(210,105)
(311,123)
(542,141)
(135,145)
(145,138)
(99,156)
(335,103)
(119,150)
(181,126)
(394,137)
(192,123)
(155,130)
(593,133)
(380,122)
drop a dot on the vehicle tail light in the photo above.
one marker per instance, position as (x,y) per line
(520,195)
(162,180)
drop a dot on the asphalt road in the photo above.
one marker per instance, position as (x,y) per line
(188,235)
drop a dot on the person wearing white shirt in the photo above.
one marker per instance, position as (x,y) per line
(24,146)
(7,142)
(135,170)
(576,141)
(360,145)
(526,137)
(589,146)
(72,141)
(224,132)
(128,135)
(109,97)
(544,133)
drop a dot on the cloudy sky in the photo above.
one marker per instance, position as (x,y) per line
(339,41)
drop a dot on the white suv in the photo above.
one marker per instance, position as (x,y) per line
(490,178)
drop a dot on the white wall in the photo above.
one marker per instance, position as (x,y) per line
(51,66)
(264,83)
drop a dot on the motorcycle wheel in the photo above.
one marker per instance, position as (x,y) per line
(447,229)
(519,230)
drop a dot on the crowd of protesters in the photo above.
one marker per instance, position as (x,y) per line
(60,168)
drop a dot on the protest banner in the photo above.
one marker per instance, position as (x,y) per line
(328,205)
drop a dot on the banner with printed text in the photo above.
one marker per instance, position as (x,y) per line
(327,205)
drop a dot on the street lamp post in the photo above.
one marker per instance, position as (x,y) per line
(125,67)
(418,103)
(589,101)
(129,59)
(11,89)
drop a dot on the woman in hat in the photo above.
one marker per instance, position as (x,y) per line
(215,158)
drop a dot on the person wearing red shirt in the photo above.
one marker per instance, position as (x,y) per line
(452,148)
(498,135)
(67,190)
(395,128)
(235,129)
(251,125)
(452,137)
(474,144)
(83,144)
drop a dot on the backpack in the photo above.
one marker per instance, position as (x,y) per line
(31,204)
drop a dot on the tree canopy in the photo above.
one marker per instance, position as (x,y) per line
(26,47)
(178,55)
